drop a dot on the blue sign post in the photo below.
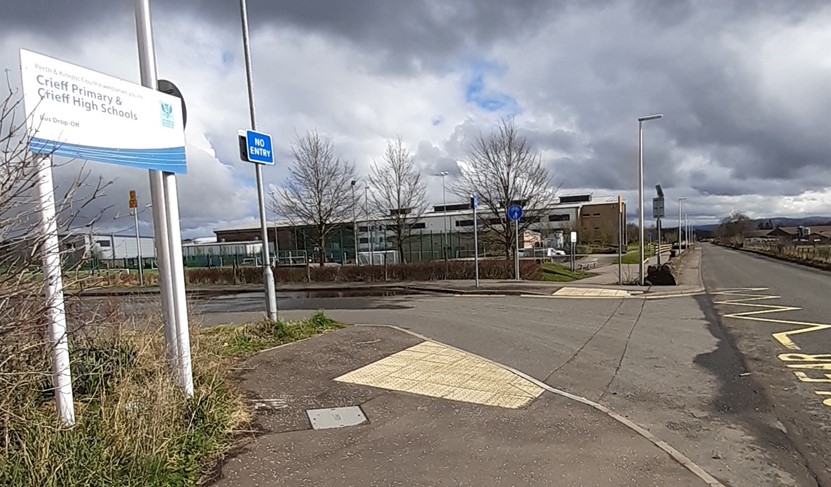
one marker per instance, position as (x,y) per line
(258,147)
(515,213)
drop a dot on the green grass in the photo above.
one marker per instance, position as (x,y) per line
(560,273)
(245,340)
(134,427)
(632,257)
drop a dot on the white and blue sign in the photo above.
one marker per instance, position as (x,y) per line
(474,201)
(514,212)
(82,114)
(259,147)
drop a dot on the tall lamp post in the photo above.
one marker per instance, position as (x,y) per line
(444,218)
(686,231)
(679,222)
(369,227)
(354,223)
(276,209)
(641,120)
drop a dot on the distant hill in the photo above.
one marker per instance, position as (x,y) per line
(780,222)
(795,222)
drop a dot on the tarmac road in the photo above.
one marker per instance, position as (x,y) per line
(790,351)
(664,363)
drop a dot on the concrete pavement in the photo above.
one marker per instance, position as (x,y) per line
(416,440)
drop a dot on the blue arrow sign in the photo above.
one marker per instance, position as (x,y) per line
(474,201)
(259,147)
(514,212)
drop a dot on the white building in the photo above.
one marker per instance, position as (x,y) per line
(438,231)
(109,247)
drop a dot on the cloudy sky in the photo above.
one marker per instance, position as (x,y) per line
(743,84)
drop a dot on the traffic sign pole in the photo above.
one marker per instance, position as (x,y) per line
(475,204)
(268,275)
(134,209)
(516,251)
(515,213)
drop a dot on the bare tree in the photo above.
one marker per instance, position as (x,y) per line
(24,342)
(733,227)
(502,168)
(398,191)
(317,192)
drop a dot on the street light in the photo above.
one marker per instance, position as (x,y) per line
(354,223)
(641,120)
(369,228)
(273,194)
(444,218)
(679,222)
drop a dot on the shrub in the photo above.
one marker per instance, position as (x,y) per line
(415,271)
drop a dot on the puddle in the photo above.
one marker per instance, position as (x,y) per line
(346,293)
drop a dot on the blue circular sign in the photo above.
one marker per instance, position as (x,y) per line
(514,212)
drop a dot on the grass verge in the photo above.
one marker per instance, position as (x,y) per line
(631,257)
(560,273)
(134,427)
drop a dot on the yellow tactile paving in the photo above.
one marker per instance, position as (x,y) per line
(588,292)
(433,369)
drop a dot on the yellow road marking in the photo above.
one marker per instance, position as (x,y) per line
(749,300)
(803,360)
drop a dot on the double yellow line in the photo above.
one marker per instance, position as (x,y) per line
(741,297)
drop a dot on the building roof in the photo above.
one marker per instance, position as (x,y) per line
(814,229)
(758,233)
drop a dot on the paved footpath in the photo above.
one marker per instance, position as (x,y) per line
(435,416)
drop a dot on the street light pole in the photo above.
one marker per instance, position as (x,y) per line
(679,223)
(354,224)
(686,231)
(369,227)
(444,218)
(268,275)
(641,120)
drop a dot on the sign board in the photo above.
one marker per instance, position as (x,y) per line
(657,208)
(514,212)
(474,202)
(258,147)
(79,113)
(133,199)
(574,237)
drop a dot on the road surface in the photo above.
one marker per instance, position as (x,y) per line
(779,317)
(665,364)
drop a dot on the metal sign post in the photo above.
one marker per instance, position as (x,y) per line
(620,240)
(573,248)
(53,281)
(164,197)
(259,147)
(134,209)
(474,203)
(658,213)
(515,213)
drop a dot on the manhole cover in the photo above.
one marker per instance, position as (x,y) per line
(322,419)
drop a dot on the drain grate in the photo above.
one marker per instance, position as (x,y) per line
(329,418)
